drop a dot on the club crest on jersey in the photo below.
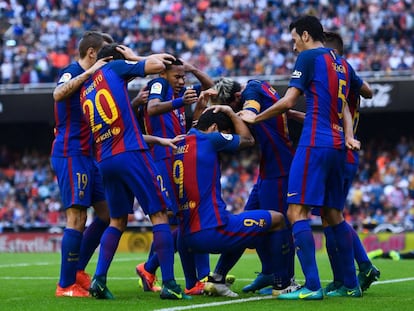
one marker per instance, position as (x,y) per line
(65,77)
(227,136)
(296,74)
(156,88)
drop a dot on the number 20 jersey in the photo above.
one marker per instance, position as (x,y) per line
(105,103)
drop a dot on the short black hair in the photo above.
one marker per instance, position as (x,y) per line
(311,24)
(334,40)
(176,62)
(110,50)
(209,117)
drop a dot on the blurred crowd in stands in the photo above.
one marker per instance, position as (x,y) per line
(221,37)
(382,193)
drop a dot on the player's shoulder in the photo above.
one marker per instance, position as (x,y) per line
(69,72)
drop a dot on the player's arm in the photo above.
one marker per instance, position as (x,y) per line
(130,55)
(240,128)
(66,89)
(350,141)
(205,80)
(167,142)
(365,91)
(281,106)
(156,106)
(296,115)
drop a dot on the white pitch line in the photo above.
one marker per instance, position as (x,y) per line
(215,304)
(221,303)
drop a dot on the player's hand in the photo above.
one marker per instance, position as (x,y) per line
(141,98)
(223,108)
(166,58)
(190,97)
(352,143)
(207,95)
(170,142)
(247,116)
(127,52)
(99,63)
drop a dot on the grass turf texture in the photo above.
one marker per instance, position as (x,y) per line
(28,282)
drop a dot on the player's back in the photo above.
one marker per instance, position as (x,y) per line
(106,103)
(273,134)
(197,177)
(324,78)
(72,134)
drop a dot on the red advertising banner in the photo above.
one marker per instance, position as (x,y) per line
(30,242)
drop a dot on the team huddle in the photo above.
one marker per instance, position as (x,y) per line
(109,150)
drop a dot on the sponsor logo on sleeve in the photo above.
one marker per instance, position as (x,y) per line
(156,88)
(227,136)
(65,77)
(296,74)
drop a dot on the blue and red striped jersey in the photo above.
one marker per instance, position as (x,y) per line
(196,173)
(106,104)
(72,134)
(276,149)
(169,124)
(325,79)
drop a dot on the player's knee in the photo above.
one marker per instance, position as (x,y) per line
(160,217)
(278,220)
(76,218)
(102,211)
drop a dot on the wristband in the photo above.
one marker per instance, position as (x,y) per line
(177,103)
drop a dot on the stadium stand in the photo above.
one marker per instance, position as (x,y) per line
(223,38)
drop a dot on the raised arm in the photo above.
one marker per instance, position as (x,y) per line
(281,106)
(240,128)
(205,80)
(66,89)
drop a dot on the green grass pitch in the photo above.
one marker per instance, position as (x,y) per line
(28,282)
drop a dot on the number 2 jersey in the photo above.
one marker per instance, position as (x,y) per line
(197,175)
(106,105)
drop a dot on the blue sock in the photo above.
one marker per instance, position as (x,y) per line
(332,251)
(263,251)
(71,243)
(109,244)
(305,246)
(282,268)
(202,262)
(188,264)
(291,256)
(226,262)
(90,241)
(152,263)
(344,243)
(164,248)
(360,253)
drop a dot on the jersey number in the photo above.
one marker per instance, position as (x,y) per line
(342,97)
(88,109)
(178,172)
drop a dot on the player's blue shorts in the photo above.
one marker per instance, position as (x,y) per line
(79,180)
(244,230)
(316,177)
(165,170)
(133,174)
(350,173)
(269,194)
